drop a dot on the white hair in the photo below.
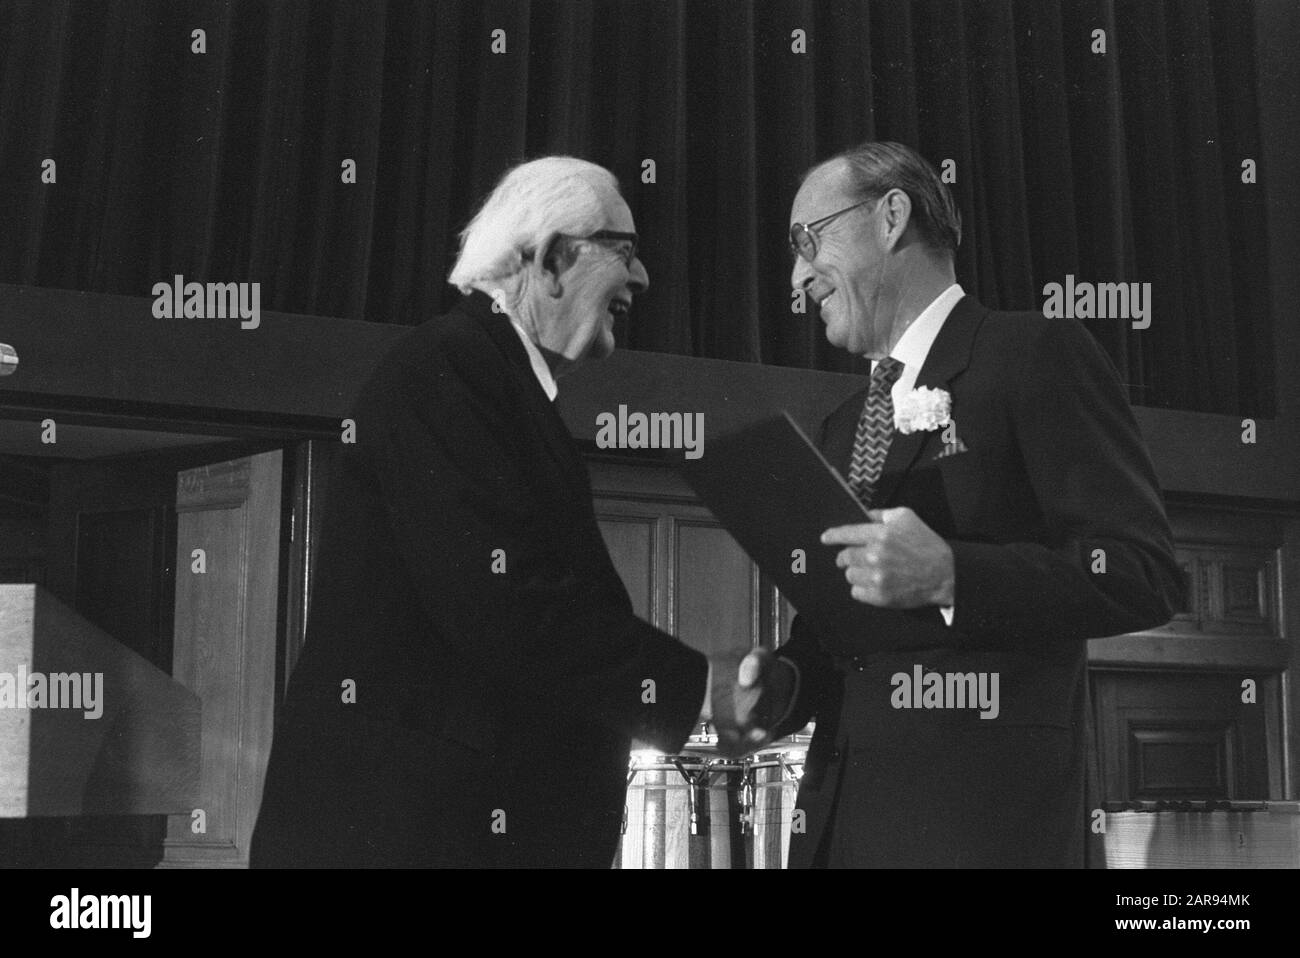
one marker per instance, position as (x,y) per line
(553,194)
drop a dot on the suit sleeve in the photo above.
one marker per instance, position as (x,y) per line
(817,677)
(1107,566)
(816,670)
(500,572)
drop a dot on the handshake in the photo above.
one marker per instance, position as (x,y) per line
(749,695)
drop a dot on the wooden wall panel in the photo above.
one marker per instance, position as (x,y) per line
(1264,837)
(684,572)
(632,542)
(715,593)
(1171,720)
(1183,736)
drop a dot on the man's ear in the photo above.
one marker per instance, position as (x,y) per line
(896,215)
(549,264)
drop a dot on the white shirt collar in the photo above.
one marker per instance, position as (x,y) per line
(538,362)
(914,345)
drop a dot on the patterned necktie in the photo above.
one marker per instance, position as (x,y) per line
(875,429)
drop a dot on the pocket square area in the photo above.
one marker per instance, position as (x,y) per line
(951,449)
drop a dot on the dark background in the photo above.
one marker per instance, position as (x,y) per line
(225,166)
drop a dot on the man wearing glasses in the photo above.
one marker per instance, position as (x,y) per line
(473,672)
(1015,514)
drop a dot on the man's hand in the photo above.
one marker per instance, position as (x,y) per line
(751,692)
(895,562)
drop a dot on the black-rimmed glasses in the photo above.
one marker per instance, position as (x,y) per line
(624,244)
(803,236)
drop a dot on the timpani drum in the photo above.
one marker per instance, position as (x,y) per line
(682,811)
(771,788)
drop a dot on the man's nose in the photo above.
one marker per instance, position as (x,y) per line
(801,276)
(638,279)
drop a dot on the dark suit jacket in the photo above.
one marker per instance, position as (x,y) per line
(493,711)
(1055,468)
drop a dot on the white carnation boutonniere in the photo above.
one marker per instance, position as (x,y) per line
(922,410)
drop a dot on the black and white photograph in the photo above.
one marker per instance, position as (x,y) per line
(627,435)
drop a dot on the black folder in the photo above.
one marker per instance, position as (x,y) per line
(775,492)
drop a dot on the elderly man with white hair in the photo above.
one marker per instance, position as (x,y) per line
(473,673)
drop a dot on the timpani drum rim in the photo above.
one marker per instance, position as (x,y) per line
(787,753)
(666,761)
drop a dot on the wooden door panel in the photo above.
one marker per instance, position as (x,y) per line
(225,646)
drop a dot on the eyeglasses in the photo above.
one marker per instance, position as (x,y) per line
(623,243)
(803,236)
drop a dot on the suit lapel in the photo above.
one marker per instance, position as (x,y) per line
(948,357)
(547,424)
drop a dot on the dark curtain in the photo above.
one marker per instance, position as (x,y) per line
(225,166)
